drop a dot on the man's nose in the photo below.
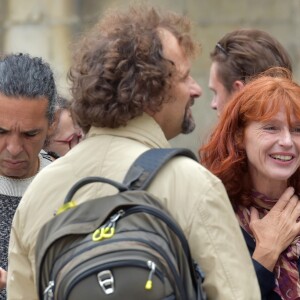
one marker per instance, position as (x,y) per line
(14,145)
(196,90)
(213,103)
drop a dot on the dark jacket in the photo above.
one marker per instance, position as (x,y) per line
(266,278)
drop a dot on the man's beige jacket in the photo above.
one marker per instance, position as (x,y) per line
(195,197)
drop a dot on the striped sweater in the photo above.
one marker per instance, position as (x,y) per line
(11,191)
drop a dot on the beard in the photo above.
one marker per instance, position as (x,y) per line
(188,125)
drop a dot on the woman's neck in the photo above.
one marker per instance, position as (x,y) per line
(272,189)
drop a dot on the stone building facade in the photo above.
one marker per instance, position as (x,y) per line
(47,28)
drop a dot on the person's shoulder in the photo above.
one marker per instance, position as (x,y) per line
(191,168)
(47,184)
(46,158)
(187,174)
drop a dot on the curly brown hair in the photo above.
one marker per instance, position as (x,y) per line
(119,68)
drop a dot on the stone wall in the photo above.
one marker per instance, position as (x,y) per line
(47,28)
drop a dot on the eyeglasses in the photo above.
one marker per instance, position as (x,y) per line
(72,140)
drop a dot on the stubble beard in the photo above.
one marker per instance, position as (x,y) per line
(188,124)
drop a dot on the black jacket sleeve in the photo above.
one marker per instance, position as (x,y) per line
(266,278)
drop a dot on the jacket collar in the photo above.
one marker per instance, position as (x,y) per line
(143,129)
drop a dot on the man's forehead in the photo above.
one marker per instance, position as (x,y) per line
(173,51)
(22,109)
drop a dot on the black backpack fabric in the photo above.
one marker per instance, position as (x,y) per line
(123,246)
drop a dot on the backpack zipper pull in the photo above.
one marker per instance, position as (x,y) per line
(107,230)
(48,292)
(151,265)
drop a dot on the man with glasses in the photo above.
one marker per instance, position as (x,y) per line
(27,104)
(67,134)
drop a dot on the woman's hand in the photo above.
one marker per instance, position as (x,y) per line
(276,230)
(2,278)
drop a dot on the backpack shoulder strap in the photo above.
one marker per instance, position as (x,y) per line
(146,166)
(142,172)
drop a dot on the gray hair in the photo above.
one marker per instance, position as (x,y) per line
(31,77)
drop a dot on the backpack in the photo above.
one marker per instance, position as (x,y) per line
(122,246)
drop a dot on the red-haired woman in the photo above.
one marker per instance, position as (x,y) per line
(255,151)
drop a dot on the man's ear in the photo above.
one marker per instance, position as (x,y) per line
(238,85)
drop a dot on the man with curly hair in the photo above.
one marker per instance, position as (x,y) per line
(133,91)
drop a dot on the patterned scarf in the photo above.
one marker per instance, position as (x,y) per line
(286,269)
